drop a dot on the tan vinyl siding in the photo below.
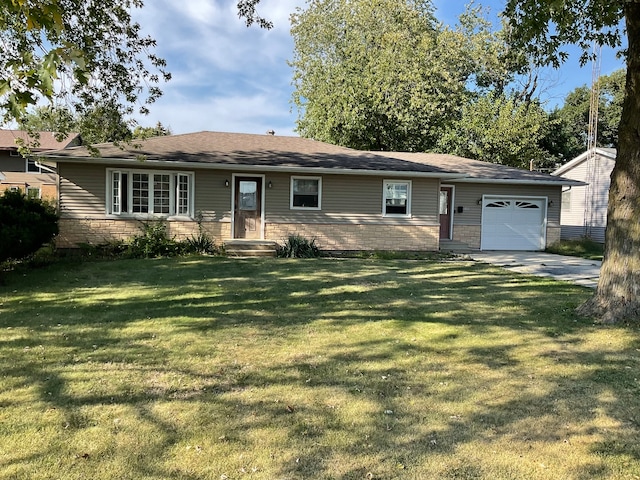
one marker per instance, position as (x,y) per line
(426,198)
(212,197)
(82,190)
(348,198)
(358,195)
(468,194)
(350,217)
(32,179)
(9,163)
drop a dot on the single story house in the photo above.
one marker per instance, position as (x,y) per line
(584,207)
(266,187)
(28,174)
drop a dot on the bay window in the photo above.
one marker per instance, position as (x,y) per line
(137,192)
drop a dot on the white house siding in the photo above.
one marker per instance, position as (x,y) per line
(584,208)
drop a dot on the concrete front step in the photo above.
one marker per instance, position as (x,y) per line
(250,248)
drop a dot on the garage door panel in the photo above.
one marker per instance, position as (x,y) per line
(513,223)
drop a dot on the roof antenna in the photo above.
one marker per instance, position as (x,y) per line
(271,132)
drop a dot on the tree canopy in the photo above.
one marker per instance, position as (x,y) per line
(359,81)
(569,124)
(499,129)
(389,76)
(101,124)
(82,52)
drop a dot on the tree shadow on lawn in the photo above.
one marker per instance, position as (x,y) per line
(416,365)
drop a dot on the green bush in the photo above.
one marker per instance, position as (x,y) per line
(153,242)
(26,224)
(200,244)
(297,246)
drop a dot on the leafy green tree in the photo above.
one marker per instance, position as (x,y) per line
(48,118)
(545,28)
(610,110)
(379,76)
(498,129)
(88,53)
(101,124)
(147,132)
(569,136)
(247,10)
(85,52)
(26,224)
(388,76)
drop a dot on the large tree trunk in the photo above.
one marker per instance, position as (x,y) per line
(617,297)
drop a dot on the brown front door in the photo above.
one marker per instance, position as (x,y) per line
(445,212)
(247,213)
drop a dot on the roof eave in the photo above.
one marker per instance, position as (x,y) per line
(511,181)
(256,168)
(570,165)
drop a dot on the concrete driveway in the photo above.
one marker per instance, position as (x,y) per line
(570,269)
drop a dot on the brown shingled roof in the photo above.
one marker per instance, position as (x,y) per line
(269,151)
(476,170)
(47,140)
(239,149)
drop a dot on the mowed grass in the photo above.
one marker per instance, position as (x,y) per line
(214,368)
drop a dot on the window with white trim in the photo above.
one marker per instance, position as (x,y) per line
(566,200)
(143,192)
(396,198)
(32,166)
(33,192)
(306,193)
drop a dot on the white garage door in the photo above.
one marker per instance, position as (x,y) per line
(513,223)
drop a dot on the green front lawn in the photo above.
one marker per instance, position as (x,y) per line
(584,248)
(214,368)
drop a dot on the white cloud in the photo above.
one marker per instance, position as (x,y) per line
(232,78)
(251,113)
(225,76)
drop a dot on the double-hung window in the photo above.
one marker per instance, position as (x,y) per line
(32,166)
(138,192)
(306,193)
(396,198)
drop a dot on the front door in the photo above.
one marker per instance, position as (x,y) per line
(445,212)
(247,214)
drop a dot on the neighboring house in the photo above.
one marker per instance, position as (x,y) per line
(264,187)
(584,208)
(28,174)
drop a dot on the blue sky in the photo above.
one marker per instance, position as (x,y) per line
(230,78)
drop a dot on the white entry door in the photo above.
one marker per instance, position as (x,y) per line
(513,223)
